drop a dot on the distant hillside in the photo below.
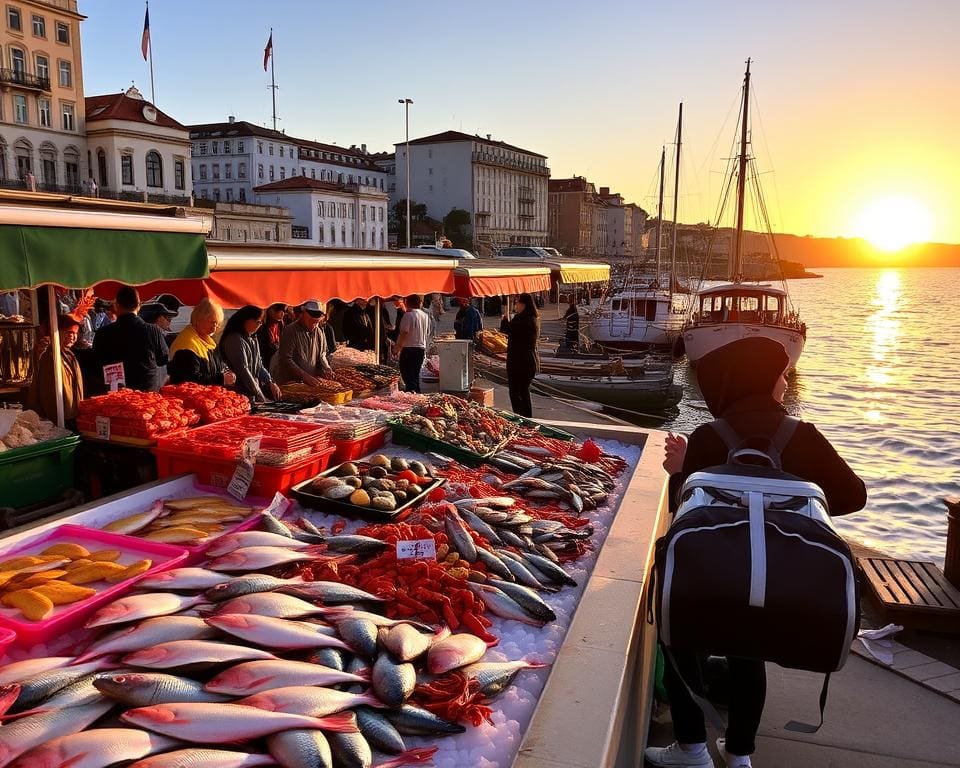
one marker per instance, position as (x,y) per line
(855,252)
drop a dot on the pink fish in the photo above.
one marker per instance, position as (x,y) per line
(135,607)
(8,695)
(271,632)
(309,700)
(21,670)
(257,558)
(204,758)
(94,749)
(181,653)
(454,652)
(255,676)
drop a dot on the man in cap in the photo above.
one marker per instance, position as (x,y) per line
(303,348)
(160,315)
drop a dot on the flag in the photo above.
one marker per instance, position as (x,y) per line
(268,51)
(145,39)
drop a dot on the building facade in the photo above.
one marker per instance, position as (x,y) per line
(504,188)
(584,222)
(41,96)
(137,152)
(247,222)
(329,214)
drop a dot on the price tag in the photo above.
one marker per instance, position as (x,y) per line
(251,447)
(114,377)
(419,549)
(240,482)
(103,427)
(278,506)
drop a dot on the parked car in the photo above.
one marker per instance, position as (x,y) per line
(432,250)
(523,253)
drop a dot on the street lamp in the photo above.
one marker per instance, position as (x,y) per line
(406,108)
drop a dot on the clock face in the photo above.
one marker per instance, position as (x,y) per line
(150,113)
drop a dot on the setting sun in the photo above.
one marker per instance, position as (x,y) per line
(892,223)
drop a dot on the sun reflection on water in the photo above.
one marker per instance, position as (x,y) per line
(883,324)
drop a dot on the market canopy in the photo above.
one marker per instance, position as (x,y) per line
(568,272)
(505,280)
(262,275)
(77,249)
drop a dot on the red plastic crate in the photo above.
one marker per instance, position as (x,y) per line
(215,471)
(279,436)
(351,450)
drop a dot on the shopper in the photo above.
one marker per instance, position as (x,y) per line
(240,349)
(742,383)
(468,323)
(42,395)
(523,361)
(303,348)
(268,336)
(161,316)
(410,348)
(357,327)
(194,355)
(140,347)
(571,322)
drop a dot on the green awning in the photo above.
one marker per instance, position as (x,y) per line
(74,257)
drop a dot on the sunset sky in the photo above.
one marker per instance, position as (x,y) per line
(858,102)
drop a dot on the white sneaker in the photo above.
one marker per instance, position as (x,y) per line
(675,755)
(732,761)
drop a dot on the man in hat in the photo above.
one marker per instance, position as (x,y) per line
(160,315)
(303,348)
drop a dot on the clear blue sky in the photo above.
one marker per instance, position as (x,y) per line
(855,98)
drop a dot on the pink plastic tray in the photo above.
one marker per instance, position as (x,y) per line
(7,636)
(67,617)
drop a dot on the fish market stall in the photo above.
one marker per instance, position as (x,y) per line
(502,617)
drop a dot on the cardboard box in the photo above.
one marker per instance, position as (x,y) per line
(482,395)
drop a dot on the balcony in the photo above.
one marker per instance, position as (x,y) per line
(524,166)
(21,79)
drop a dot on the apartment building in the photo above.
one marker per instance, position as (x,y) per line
(585,222)
(41,95)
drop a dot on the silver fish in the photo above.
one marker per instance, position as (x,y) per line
(182,653)
(327,657)
(494,563)
(360,634)
(43,685)
(146,634)
(142,689)
(521,573)
(19,670)
(282,634)
(81,691)
(379,732)
(526,598)
(351,750)
(34,730)
(499,604)
(204,758)
(277,605)
(255,676)
(393,682)
(241,539)
(352,544)
(329,592)
(480,526)
(414,721)
(460,536)
(494,677)
(183,579)
(301,748)
(308,700)
(97,748)
(548,568)
(248,584)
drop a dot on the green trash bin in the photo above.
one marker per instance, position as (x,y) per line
(37,472)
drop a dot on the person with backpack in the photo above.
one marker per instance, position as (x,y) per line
(743,384)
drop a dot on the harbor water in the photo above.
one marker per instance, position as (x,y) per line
(879,377)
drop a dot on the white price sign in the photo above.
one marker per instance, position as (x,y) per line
(114,377)
(251,447)
(419,549)
(239,484)
(103,427)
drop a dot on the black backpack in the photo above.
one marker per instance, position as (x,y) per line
(751,566)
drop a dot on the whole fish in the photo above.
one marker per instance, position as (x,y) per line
(494,502)
(350,750)
(393,682)
(301,748)
(454,652)
(233,541)
(499,604)
(328,657)
(146,634)
(32,731)
(9,693)
(347,544)
(548,568)
(278,606)
(307,525)
(255,676)
(281,528)
(494,563)
(43,685)
(526,598)
(136,522)
(248,584)
(407,643)
(143,689)
(414,721)
(204,758)
(379,732)
(183,579)
(478,525)
(329,592)
(459,535)
(95,749)
(308,700)
(521,574)
(284,634)
(259,558)
(182,653)
(360,634)
(344,612)
(227,723)
(18,670)
(81,691)
(142,606)
(495,676)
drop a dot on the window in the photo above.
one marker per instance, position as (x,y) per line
(63,32)
(333,235)
(271,148)
(49,168)
(126,169)
(283,172)
(363,213)
(43,110)
(13,19)
(204,195)
(331,210)
(66,74)
(203,147)
(216,147)
(229,195)
(203,172)
(363,239)
(320,231)
(178,180)
(18,61)
(243,195)
(67,114)
(260,171)
(215,168)
(102,167)
(271,173)
(239,146)
(43,67)
(155,169)
(226,146)
(72,169)
(228,170)
(20,108)
(380,214)
(313,173)
(39,26)
(242,171)
(281,150)
(352,210)
(216,195)
(260,147)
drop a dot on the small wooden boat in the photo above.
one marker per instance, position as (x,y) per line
(653,390)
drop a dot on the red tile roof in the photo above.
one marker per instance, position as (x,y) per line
(576,184)
(301,183)
(119,106)
(452,136)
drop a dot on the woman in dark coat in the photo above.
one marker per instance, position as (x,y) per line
(268,335)
(742,383)
(240,349)
(523,362)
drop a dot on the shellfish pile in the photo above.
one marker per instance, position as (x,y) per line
(383,483)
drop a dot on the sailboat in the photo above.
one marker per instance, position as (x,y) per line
(647,315)
(740,309)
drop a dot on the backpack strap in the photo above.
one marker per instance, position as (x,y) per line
(727,433)
(783,435)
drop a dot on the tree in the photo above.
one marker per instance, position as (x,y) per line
(456,226)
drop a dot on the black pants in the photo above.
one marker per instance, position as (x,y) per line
(411,361)
(748,691)
(519,385)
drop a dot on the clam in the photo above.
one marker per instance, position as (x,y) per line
(419,468)
(385,503)
(377,472)
(339,491)
(398,464)
(322,483)
(347,469)
(380,461)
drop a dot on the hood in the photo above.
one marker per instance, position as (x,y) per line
(744,368)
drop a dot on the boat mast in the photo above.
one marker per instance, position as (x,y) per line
(736,274)
(676,201)
(663,159)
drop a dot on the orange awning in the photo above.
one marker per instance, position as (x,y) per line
(501,281)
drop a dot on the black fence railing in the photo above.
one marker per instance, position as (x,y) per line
(24,79)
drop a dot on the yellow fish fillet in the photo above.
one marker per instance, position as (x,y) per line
(134,523)
(175,535)
(194,501)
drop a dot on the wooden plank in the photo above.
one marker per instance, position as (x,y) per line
(937,581)
(886,591)
(895,568)
(914,574)
(887,569)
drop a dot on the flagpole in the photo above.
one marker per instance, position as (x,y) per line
(273,82)
(153,95)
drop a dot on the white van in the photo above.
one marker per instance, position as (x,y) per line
(433,250)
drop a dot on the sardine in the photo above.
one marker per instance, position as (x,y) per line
(95,749)
(301,748)
(460,536)
(414,721)
(226,723)
(549,568)
(281,634)
(494,677)
(350,750)
(248,584)
(454,652)
(143,689)
(500,604)
(32,731)
(521,574)
(183,579)
(329,592)
(142,606)
(494,563)
(44,685)
(379,732)
(146,634)
(204,758)
(182,653)
(308,700)
(393,682)
(479,525)
(255,676)
(81,691)
(526,598)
